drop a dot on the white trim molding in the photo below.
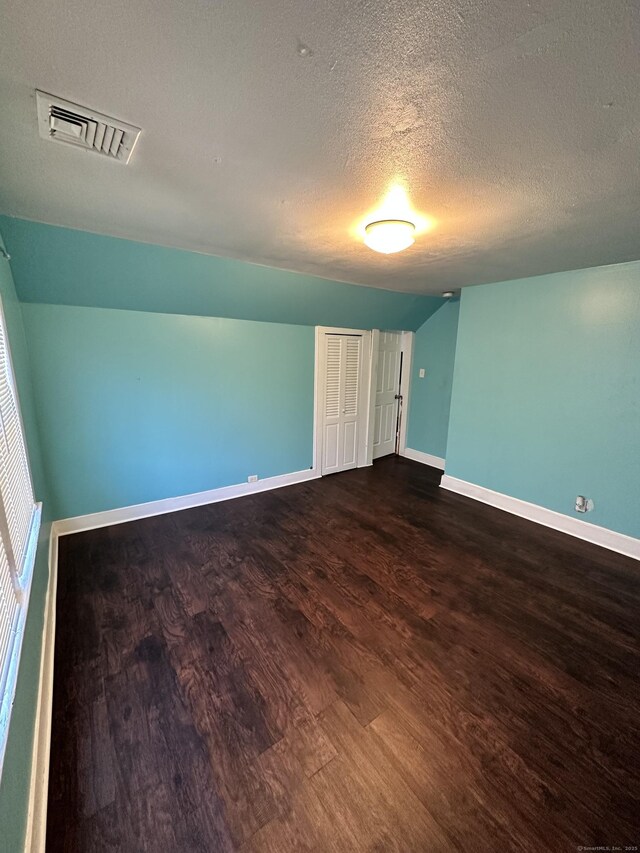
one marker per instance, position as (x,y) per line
(39,785)
(425,458)
(138,511)
(374,348)
(627,545)
(405,388)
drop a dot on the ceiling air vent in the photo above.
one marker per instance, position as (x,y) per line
(72,124)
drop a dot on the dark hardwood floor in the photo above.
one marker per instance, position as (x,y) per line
(359,663)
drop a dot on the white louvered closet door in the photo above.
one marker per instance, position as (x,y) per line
(341,402)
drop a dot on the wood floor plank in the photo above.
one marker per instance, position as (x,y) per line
(358,663)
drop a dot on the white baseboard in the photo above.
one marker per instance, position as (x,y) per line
(133,513)
(38,789)
(425,458)
(619,542)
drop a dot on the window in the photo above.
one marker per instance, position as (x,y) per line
(19,523)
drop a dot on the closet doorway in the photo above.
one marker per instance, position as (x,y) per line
(361,394)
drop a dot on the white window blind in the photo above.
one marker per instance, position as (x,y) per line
(19,522)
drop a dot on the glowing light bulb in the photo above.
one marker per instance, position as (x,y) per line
(389,235)
(393,224)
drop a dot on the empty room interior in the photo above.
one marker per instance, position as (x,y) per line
(319,426)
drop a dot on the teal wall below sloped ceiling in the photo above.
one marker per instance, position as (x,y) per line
(138,406)
(164,373)
(63,266)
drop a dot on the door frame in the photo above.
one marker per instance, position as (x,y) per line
(365,402)
(408,339)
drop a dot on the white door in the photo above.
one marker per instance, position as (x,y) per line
(387,391)
(341,402)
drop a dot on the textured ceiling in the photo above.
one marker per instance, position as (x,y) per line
(270,128)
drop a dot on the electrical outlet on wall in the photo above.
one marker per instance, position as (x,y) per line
(584,504)
(252,478)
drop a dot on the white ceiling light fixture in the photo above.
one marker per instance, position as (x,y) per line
(389,235)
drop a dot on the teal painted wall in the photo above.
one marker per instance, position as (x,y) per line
(14,785)
(136,407)
(430,399)
(546,392)
(68,267)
